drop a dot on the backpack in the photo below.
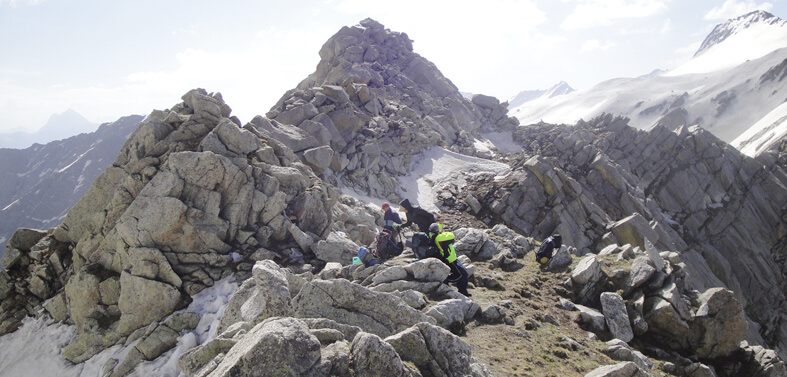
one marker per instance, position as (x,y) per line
(386,247)
(544,253)
(422,246)
(367,257)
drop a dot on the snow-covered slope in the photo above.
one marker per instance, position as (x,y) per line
(768,131)
(733,81)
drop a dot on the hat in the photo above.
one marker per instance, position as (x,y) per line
(385,205)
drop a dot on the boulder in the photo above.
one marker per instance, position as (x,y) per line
(342,301)
(266,295)
(11,258)
(624,369)
(633,230)
(433,350)
(485,101)
(719,325)
(621,351)
(560,260)
(25,238)
(336,248)
(143,301)
(449,313)
(371,356)
(274,347)
(430,269)
(616,317)
(591,318)
(641,270)
(587,271)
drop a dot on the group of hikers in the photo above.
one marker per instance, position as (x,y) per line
(431,240)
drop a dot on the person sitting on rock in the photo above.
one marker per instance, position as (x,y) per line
(390,217)
(444,242)
(418,216)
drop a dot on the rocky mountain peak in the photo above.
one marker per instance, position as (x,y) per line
(736,25)
(559,89)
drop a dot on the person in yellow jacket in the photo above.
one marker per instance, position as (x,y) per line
(444,242)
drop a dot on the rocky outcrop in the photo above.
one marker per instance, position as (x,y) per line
(335,327)
(371,105)
(603,183)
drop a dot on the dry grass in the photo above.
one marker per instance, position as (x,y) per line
(525,349)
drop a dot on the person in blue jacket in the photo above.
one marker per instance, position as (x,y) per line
(390,217)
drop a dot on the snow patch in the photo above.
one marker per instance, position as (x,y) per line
(435,167)
(9,206)
(41,344)
(763,134)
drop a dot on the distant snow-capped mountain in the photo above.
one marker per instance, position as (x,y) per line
(59,126)
(529,95)
(734,80)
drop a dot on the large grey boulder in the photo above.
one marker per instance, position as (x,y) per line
(275,347)
(633,230)
(430,269)
(588,270)
(621,351)
(560,260)
(143,301)
(372,357)
(336,248)
(719,325)
(25,238)
(266,295)
(433,350)
(342,301)
(641,270)
(616,317)
(591,318)
(449,313)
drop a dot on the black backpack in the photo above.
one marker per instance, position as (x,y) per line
(385,245)
(544,253)
(422,246)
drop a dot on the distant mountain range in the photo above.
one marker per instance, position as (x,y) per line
(734,81)
(59,126)
(39,184)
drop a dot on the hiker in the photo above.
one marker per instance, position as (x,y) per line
(550,244)
(418,216)
(390,217)
(444,242)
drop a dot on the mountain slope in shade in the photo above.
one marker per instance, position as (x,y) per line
(59,126)
(38,185)
(726,98)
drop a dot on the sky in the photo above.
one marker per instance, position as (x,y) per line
(107,59)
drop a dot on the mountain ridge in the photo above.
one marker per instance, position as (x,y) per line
(58,126)
(653,222)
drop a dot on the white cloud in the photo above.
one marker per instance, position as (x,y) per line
(14,3)
(589,13)
(667,27)
(595,44)
(733,8)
